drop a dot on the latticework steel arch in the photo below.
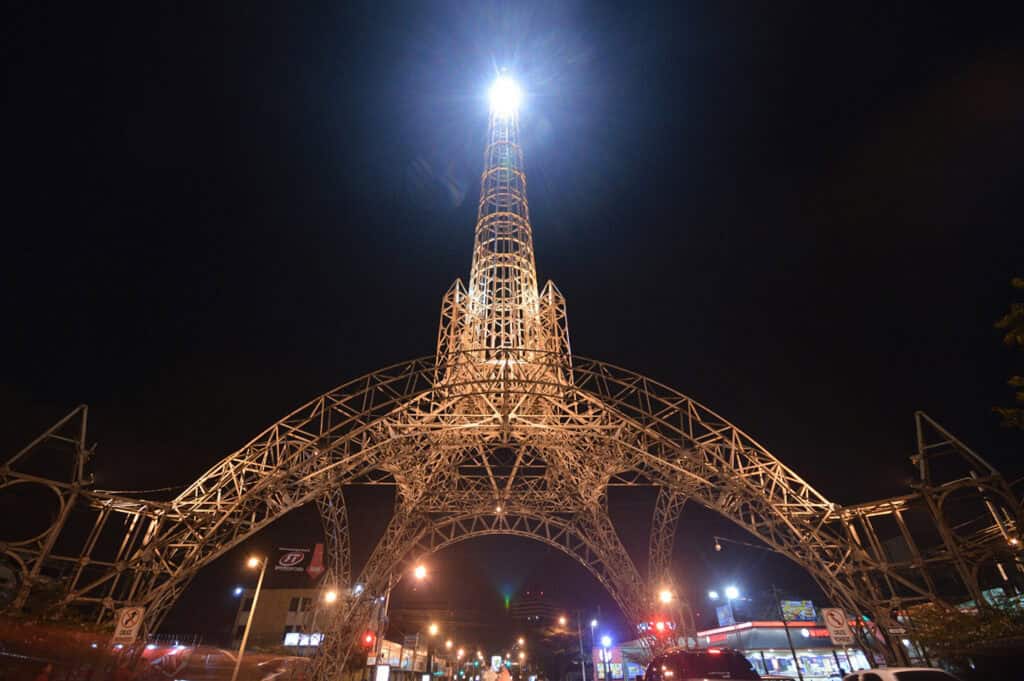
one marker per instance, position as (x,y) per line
(504,431)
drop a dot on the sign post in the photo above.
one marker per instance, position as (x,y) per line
(127,625)
(838,626)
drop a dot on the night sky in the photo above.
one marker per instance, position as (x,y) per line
(804,215)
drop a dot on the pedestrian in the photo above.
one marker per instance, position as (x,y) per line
(44,673)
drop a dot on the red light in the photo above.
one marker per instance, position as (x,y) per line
(368,638)
(715,651)
(660,626)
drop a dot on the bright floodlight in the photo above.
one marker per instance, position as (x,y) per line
(665,596)
(713,595)
(732,593)
(606,641)
(505,96)
(420,571)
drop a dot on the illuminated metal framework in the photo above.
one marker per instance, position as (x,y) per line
(504,431)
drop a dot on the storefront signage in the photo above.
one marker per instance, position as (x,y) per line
(838,626)
(797,611)
(725,616)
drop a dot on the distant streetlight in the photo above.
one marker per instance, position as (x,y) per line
(606,643)
(238,591)
(562,621)
(521,641)
(522,655)
(420,572)
(448,644)
(433,629)
(330,596)
(460,653)
(253,562)
(713,595)
(732,593)
(593,623)
(665,596)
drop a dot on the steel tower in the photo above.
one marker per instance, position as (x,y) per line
(503,431)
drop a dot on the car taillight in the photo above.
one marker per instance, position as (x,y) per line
(714,651)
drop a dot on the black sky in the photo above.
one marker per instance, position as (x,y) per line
(804,215)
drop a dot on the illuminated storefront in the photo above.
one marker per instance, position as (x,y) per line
(766,646)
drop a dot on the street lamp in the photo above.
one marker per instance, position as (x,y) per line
(330,596)
(420,572)
(521,641)
(606,643)
(433,629)
(562,621)
(522,655)
(593,623)
(665,596)
(448,644)
(253,562)
(732,593)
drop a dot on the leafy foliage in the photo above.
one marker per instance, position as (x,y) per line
(1012,326)
(959,633)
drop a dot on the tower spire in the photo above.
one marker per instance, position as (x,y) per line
(503,299)
(502,322)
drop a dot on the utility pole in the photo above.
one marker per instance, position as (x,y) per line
(782,616)
(579,634)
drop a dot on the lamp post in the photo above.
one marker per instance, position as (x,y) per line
(253,562)
(579,635)
(606,644)
(329,597)
(432,630)
(782,615)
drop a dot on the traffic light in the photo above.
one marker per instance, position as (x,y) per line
(368,639)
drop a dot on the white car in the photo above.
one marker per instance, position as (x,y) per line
(900,674)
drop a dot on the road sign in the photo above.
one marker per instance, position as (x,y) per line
(127,625)
(838,626)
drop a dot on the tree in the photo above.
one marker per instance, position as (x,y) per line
(1012,326)
(955,633)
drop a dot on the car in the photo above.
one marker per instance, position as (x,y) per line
(680,664)
(900,674)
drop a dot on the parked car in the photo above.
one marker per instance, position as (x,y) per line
(680,664)
(900,674)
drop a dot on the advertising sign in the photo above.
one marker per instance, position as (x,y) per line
(725,616)
(798,611)
(127,625)
(296,560)
(291,559)
(838,626)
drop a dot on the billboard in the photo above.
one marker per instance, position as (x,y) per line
(725,616)
(798,611)
(297,565)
